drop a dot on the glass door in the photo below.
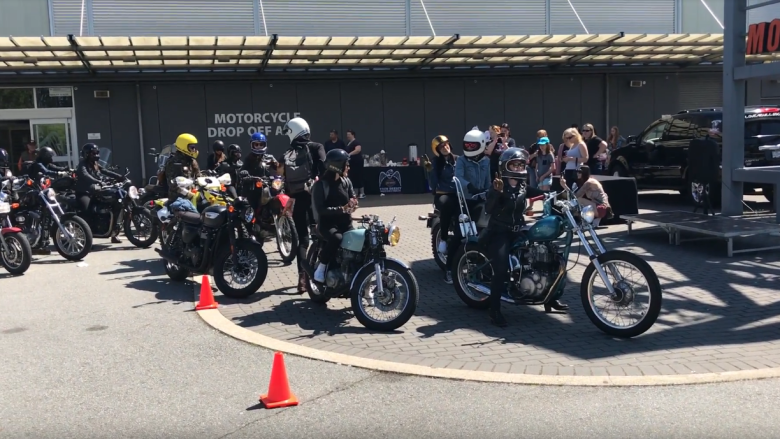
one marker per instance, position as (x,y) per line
(56,134)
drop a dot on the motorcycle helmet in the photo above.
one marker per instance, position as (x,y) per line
(513,156)
(438,141)
(474,143)
(234,152)
(187,144)
(218,146)
(46,155)
(336,160)
(297,129)
(259,144)
(89,150)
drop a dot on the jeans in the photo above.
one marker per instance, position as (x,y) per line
(183,204)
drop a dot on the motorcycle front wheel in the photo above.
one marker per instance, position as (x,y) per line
(77,248)
(627,294)
(399,296)
(140,228)
(249,274)
(19,256)
(286,238)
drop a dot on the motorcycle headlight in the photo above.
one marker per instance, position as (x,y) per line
(277,185)
(133,192)
(5,207)
(249,213)
(395,235)
(51,195)
(3,196)
(588,214)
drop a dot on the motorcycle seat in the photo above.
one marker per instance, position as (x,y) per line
(188,217)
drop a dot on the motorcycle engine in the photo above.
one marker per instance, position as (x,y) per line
(537,274)
(30,222)
(190,240)
(102,217)
(337,276)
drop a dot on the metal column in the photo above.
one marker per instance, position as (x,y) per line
(733,128)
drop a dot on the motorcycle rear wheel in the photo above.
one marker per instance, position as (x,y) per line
(21,253)
(146,216)
(286,225)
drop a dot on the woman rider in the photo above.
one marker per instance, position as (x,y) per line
(445,198)
(334,201)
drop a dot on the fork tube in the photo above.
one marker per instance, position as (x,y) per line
(56,217)
(379,286)
(593,257)
(602,250)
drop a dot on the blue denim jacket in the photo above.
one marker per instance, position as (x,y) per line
(477,173)
(446,183)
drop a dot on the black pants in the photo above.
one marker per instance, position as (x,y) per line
(333,236)
(447,205)
(455,241)
(498,244)
(301,216)
(570,176)
(83,200)
(231,190)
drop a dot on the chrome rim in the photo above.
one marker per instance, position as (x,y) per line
(284,236)
(14,257)
(440,256)
(625,304)
(467,277)
(390,302)
(71,246)
(243,273)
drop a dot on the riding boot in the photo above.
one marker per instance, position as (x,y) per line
(115,237)
(555,305)
(497,318)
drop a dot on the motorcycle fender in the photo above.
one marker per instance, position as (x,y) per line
(370,266)
(283,199)
(7,230)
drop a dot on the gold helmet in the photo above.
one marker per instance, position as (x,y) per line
(187,144)
(438,140)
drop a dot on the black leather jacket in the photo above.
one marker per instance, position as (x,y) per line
(260,166)
(231,168)
(38,170)
(323,212)
(89,175)
(507,208)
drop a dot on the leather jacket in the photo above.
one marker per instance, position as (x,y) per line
(231,168)
(38,170)
(89,177)
(323,212)
(188,168)
(507,208)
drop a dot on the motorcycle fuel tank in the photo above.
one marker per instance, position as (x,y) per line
(354,239)
(214,216)
(546,229)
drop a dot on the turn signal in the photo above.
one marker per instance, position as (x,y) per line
(29,182)
(259,184)
(15,206)
(222,187)
(231,209)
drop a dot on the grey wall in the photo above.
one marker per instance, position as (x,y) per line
(387,114)
(24,17)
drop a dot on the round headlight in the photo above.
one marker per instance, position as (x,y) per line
(588,214)
(51,195)
(249,213)
(277,184)
(133,192)
(394,235)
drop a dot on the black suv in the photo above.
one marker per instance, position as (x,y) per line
(658,157)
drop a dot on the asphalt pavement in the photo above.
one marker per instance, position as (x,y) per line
(113,349)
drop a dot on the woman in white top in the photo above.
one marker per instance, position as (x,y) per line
(575,155)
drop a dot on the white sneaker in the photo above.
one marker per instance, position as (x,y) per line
(443,247)
(319,275)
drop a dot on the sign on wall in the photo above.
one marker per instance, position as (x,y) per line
(228,125)
(763,37)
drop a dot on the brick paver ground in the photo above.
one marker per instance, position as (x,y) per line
(719,314)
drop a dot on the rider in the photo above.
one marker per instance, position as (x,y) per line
(89,179)
(258,164)
(442,181)
(303,163)
(334,200)
(217,156)
(182,163)
(230,166)
(43,166)
(506,204)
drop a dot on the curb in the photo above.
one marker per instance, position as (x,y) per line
(215,319)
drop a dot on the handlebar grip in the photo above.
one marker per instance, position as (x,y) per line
(536,198)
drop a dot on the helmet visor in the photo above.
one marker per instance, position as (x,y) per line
(258,145)
(517,165)
(471,146)
(192,147)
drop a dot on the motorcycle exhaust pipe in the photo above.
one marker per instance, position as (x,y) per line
(486,291)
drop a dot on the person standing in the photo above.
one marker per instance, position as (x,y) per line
(355,163)
(28,155)
(597,149)
(576,154)
(334,142)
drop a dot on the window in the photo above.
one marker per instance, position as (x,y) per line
(680,129)
(54,97)
(16,98)
(762,128)
(654,133)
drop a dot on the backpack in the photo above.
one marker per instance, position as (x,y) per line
(297,169)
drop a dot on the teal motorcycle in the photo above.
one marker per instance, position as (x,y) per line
(538,266)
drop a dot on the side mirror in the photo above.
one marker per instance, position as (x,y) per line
(631,139)
(225,179)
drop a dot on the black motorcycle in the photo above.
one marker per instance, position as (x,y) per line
(217,240)
(36,210)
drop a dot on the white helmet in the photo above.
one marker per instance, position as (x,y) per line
(296,127)
(474,143)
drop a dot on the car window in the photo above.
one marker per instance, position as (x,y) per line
(762,127)
(680,128)
(654,133)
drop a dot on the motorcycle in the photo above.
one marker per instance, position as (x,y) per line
(361,257)
(274,216)
(37,212)
(218,240)
(537,265)
(15,250)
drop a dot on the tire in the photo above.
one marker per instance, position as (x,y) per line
(482,303)
(618,170)
(404,316)
(153,232)
(287,258)
(224,257)
(176,273)
(435,238)
(22,245)
(315,293)
(653,283)
(77,223)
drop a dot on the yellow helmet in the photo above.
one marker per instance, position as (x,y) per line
(187,144)
(438,140)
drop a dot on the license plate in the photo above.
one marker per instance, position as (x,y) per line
(775,154)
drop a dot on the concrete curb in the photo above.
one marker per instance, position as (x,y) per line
(215,319)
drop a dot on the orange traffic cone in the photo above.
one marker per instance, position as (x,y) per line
(206,299)
(279,394)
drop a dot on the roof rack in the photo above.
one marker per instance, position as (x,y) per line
(700,110)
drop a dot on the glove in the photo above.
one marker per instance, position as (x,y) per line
(95,188)
(63,173)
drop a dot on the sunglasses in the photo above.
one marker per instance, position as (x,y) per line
(586,131)
(568,137)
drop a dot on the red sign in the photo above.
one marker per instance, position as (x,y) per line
(763,37)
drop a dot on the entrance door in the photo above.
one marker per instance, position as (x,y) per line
(56,134)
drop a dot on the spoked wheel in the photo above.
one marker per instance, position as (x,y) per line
(19,255)
(316,291)
(246,276)
(636,302)
(140,229)
(392,306)
(79,244)
(441,260)
(471,275)
(286,238)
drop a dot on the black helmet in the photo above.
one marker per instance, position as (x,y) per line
(218,146)
(336,160)
(513,155)
(46,155)
(232,150)
(4,158)
(89,149)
